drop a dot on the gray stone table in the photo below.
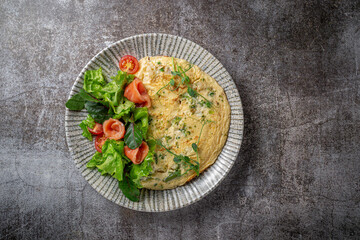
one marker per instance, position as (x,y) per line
(296,66)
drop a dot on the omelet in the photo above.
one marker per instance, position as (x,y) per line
(179,118)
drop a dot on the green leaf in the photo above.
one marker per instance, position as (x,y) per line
(173,175)
(138,171)
(124,109)
(129,189)
(97,111)
(161,69)
(133,137)
(195,147)
(94,82)
(113,162)
(113,92)
(141,118)
(177,159)
(95,160)
(75,103)
(172,82)
(175,73)
(87,96)
(85,132)
(89,122)
(191,92)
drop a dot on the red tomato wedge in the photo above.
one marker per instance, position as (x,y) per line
(129,64)
(137,93)
(137,155)
(98,129)
(99,142)
(114,129)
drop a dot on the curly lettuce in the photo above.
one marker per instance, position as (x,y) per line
(94,82)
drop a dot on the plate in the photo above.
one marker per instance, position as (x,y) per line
(152,45)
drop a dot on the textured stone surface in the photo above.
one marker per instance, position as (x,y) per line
(296,65)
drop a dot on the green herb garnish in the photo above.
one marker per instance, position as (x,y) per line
(191,164)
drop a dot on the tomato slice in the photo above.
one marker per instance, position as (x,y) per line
(99,142)
(129,64)
(98,129)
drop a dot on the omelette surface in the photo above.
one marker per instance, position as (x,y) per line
(177,119)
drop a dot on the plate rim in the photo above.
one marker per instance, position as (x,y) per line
(240,133)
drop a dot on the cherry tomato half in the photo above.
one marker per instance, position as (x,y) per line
(99,142)
(98,129)
(129,64)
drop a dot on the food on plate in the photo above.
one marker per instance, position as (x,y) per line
(158,123)
(129,64)
(137,93)
(114,129)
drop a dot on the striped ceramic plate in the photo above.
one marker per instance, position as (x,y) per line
(152,45)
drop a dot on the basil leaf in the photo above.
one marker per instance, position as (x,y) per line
(133,137)
(195,147)
(97,111)
(129,189)
(75,103)
(191,92)
(85,132)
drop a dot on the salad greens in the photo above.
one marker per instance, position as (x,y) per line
(113,159)
(89,122)
(133,137)
(75,103)
(102,101)
(86,133)
(94,82)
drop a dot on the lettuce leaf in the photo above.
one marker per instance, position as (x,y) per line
(113,92)
(137,172)
(141,118)
(113,162)
(94,82)
(124,109)
(95,160)
(85,132)
(89,122)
